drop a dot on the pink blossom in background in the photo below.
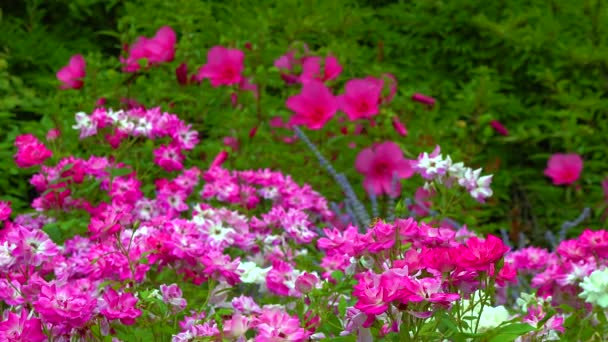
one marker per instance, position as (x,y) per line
(427,100)
(224,66)
(72,74)
(311,69)
(313,106)
(53,134)
(399,127)
(219,159)
(392,88)
(379,164)
(499,127)
(156,50)
(361,98)
(5,210)
(286,64)
(564,168)
(232,142)
(30,151)
(181,73)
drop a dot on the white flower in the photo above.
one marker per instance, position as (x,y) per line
(595,288)
(218,233)
(490,317)
(6,254)
(252,273)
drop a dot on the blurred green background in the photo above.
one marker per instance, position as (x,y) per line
(538,66)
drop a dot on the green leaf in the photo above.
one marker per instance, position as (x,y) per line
(510,332)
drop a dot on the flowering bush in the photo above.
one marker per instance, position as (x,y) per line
(137,234)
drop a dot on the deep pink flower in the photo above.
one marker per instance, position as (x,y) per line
(480,254)
(219,159)
(314,106)
(156,50)
(169,157)
(18,327)
(274,324)
(383,165)
(72,74)
(120,306)
(30,151)
(224,66)
(399,127)
(311,69)
(361,98)
(181,72)
(5,210)
(499,127)
(427,100)
(564,168)
(65,305)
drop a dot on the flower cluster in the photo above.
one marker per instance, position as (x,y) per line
(433,167)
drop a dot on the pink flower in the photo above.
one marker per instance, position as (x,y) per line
(314,106)
(157,50)
(306,282)
(399,127)
(219,159)
(5,210)
(30,151)
(53,134)
(564,168)
(274,324)
(480,254)
(181,72)
(311,69)
(499,128)
(120,306)
(18,327)
(224,66)
(72,74)
(172,295)
(381,165)
(427,100)
(361,98)
(65,305)
(169,157)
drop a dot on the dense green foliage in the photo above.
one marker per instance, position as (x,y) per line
(540,67)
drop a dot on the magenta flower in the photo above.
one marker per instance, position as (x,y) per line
(427,100)
(311,69)
(361,98)
(18,327)
(224,66)
(169,157)
(72,74)
(564,168)
(399,126)
(67,305)
(30,151)
(181,72)
(480,254)
(120,306)
(156,50)
(5,210)
(382,165)
(314,106)
(499,127)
